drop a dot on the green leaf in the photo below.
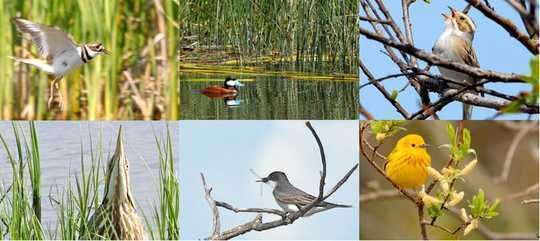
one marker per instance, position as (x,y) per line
(387,127)
(480,208)
(451,134)
(427,1)
(466,140)
(492,211)
(477,204)
(534,70)
(434,211)
(394,94)
(513,107)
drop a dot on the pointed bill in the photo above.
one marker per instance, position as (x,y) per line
(118,173)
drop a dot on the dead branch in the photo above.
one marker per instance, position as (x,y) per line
(257,224)
(216,226)
(510,27)
(512,150)
(433,59)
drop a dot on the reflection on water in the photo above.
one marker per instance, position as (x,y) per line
(60,150)
(270,97)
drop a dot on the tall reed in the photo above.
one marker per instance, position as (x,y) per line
(137,81)
(19,211)
(316,34)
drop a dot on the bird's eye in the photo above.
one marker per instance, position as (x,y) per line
(413,145)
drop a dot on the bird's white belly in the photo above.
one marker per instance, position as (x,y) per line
(66,62)
(442,48)
(287,207)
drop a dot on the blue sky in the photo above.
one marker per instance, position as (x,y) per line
(225,151)
(494,47)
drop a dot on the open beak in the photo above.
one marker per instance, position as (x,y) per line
(445,16)
(453,11)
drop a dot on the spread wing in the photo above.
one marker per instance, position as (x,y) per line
(50,41)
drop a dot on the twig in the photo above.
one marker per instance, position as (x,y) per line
(529,190)
(433,59)
(511,152)
(362,110)
(529,201)
(216,225)
(510,27)
(382,194)
(251,210)
(489,234)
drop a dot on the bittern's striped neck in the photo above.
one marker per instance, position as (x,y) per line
(117,188)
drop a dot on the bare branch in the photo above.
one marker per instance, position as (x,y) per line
(530,201)
(512,150)
(216,226)
(510,27)
(382,194)
(433,59)
(250,210)
(529,190)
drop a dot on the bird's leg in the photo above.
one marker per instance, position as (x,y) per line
(51,93)
(55,86)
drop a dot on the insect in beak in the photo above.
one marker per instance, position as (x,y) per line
(262,180)
(106,52)
(425,145)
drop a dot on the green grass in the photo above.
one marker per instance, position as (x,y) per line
(19,201)
(137,81)
(315,35)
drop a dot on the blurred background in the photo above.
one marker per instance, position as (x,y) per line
(225,151)
(137,81)
(397,218)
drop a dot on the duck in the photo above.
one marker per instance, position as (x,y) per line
(230,87)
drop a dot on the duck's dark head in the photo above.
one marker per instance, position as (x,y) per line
(231,83)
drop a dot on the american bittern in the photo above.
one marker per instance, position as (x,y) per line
(116,218)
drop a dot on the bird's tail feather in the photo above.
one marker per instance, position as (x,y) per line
(342,206)
(43,65)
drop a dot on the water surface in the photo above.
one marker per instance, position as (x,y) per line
(60,149)
(271,97)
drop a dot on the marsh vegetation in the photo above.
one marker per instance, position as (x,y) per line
(137,81)
(22,191)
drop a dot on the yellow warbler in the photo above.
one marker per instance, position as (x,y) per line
(407,164)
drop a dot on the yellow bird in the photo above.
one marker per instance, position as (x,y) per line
(407,163)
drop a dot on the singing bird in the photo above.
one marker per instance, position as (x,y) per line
(116,217)
(407,163)
(455,43)
(61,54)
